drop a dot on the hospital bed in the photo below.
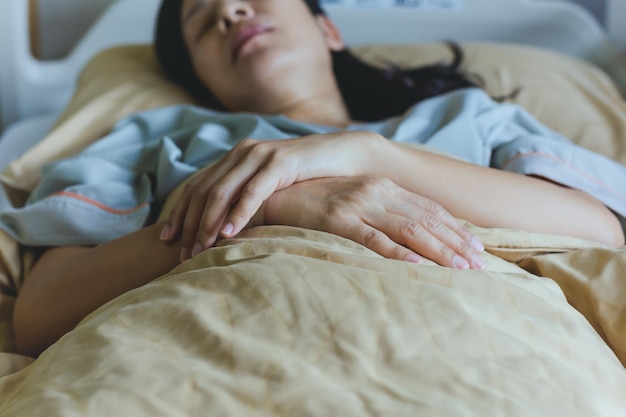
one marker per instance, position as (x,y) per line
(542,332)
(41,89)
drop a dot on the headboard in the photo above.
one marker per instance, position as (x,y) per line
(31,87)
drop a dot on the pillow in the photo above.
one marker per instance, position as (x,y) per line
(570,96)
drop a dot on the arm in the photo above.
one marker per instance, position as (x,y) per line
(68,283)
(490,197)
(487,197)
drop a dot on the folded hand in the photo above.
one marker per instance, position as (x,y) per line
(380,215)
(224,197)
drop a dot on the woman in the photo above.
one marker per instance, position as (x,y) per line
(274,57)
(267,75)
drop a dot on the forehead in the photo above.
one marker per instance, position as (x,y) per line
(190,7)
(190,3)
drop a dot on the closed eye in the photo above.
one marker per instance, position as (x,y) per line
(207,23)
(200,22)
(194,10)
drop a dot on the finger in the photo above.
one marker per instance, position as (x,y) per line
(205,220)
(260,187)
(449,220)
(249,203)
(454,224)
(213,198)
(374,239)
(443,226)
(202,184)
(418,238)
(220,198)
(450,231)
(462,247)
(190,227)
(176,218)
(441,231)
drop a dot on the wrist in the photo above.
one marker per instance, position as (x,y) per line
(379,155)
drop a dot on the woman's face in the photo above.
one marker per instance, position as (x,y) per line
(254,54)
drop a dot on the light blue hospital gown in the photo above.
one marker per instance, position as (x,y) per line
(109,189)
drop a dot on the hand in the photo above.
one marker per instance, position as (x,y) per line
(223,198)
(380,215)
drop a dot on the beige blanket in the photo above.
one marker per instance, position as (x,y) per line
(286,321)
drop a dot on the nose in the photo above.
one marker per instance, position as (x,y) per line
(234,11)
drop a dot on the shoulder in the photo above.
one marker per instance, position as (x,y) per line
(463,101)
(465,96)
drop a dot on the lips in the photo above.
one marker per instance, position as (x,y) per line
(243,35)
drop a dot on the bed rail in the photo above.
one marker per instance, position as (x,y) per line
(31,87)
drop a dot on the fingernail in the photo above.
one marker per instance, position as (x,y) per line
(184,254)
(477,244)
(479,262)
(460,263)
(413,258)
(228,228)
(165,233)
(197,249)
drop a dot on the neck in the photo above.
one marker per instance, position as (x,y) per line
(320,111)
(324,106)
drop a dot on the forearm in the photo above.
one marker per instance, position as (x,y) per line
(489,197)
(66,285)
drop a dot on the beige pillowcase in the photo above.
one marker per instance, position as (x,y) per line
(571,96)
(568,95)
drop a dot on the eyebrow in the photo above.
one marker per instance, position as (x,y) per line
(193,10)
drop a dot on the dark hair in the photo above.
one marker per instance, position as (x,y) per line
(370,93)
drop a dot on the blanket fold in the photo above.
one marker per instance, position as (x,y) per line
(286,321)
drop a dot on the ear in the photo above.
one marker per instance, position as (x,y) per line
(330,32)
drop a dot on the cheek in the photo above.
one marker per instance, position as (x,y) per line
(208,65)
(218,80)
